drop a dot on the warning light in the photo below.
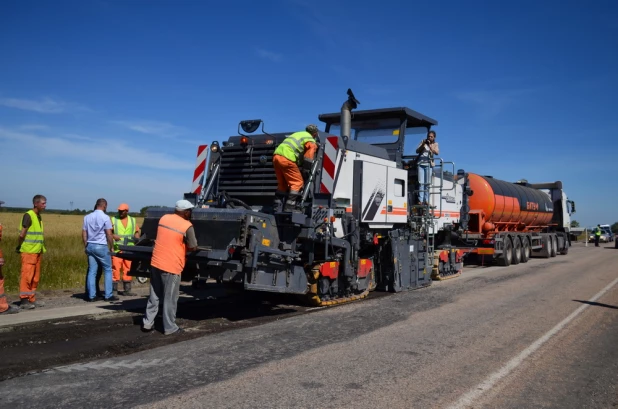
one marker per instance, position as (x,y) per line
(269,141)
(244,140)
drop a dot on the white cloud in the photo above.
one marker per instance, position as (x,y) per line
(269,55)
(45,105)
(164,129)
(89,149)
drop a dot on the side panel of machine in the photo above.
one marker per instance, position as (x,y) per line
(345,175)
(396,206)
(447,202)
(373,198)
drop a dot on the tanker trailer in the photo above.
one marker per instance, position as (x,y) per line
(507,222)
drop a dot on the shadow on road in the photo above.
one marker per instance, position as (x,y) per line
(597,304)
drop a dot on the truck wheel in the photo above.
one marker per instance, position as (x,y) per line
(507,254)
(554,245)
(547,246)
(525,250)
(516,251)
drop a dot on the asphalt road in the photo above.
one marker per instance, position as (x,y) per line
(536,335)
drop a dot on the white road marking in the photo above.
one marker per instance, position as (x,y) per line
(128,364)
(476,392)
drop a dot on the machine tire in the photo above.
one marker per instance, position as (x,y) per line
(516,251)
(554,245)
(507,254)
(525,250)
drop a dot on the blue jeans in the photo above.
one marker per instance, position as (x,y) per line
(424,182)
(98,255)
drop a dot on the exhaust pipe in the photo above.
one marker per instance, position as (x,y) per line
(346,115)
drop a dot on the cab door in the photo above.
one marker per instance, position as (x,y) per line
(396,206)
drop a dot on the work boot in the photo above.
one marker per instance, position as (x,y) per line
(25,304)
(293,202)
(115,289)
(11,310)
(127,289)
(278,201)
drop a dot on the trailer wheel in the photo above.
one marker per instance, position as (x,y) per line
(554,245)
(525,250)
(507,254)
(547,246)
(516,251)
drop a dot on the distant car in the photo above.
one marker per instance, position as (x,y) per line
(605,228)
(603,239)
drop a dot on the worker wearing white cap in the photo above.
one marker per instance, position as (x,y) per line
(175,236)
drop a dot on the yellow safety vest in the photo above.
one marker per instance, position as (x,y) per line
(125,233)
(34,241)
(597,232)
(293,147)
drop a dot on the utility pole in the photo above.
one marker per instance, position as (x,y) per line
(71,203)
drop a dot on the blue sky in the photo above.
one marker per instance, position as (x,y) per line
(111,98)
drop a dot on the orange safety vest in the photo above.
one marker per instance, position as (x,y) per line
(170,251)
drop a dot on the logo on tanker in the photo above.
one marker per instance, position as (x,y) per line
(534,207)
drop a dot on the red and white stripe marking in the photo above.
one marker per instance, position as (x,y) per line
(200,167)
(328,164)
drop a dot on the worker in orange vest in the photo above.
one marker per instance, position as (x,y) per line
(5,308)
(175,236)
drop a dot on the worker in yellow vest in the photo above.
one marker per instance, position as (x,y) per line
(125,232)
(31,246)
(296,150)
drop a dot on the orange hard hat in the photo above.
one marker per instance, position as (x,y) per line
(123,206)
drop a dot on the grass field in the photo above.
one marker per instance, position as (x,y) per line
(65,263)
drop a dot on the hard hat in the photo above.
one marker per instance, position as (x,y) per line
(311,129)
(184,205)
(123,206)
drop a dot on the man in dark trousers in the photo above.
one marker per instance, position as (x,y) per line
(597,235)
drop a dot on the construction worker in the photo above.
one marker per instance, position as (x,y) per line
(175,236)
(597,235)
(125,232)
(426,149)
(5,308)
(31,246)
(98,245)
(296,150)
